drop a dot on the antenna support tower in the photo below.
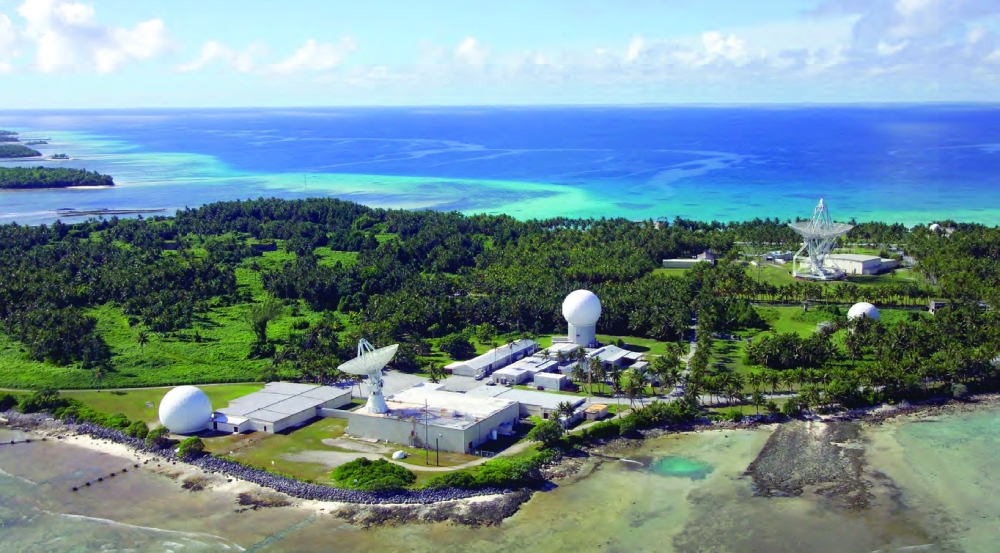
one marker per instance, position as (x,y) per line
(819,234)
(370,362)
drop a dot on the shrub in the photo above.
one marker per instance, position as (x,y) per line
(772,407)
(365,474)
(504,472)
(7,401)
(46,399)
(457,346)
(457,479)
(733,415)
(118,421)
(138,429)
(158,437)
(191,448)
(791,408)
(959,391)
(548,432)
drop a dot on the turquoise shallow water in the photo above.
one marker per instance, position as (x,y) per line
(681,467)
(911,165)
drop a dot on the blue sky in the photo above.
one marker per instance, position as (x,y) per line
(217,53)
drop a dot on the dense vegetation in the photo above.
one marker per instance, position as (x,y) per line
(377,475)
(12,151)
(49,177)
(192,298)
(8,136)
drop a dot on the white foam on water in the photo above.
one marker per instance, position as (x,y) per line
(184,536)
(16,477)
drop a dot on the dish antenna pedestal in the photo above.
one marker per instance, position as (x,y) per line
(370,362)
(819,234)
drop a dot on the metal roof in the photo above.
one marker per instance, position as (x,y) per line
(281,400)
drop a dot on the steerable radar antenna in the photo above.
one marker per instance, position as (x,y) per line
(370,362)
(819,234)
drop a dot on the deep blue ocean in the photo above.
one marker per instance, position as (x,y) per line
(908,164)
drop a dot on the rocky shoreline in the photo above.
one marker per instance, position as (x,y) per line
(358,502)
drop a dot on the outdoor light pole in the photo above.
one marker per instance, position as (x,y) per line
(437,448)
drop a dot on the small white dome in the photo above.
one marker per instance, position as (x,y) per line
(863,309)
(935,227)
(581,308)
(185,410)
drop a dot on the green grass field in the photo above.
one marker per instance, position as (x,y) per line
(133,402)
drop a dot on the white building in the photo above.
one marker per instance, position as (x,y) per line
(859,264)
(581,310)
(530,403)
(550,381)
(278,406)
(511,376)
(427,415)
(494,359)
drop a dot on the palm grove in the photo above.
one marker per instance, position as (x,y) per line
(432,280)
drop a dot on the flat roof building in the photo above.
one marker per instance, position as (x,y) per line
(859,264)
(494,359)
(511,375)
(278,406)
(550,381)
(425,415)
(531,403)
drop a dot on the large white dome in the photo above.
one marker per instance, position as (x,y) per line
(185,410)
(935,227)
(863,309)
(581,308)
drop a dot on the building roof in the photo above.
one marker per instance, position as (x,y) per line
(555,376)
(437,407)
(494,355)
(596,408)
(544,400)
(857,257)
(609,354)
(535,364)
(510,371)
(280,400)
(224,418)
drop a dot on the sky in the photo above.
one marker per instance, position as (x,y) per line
(252,53)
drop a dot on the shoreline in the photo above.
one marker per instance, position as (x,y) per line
(473,508)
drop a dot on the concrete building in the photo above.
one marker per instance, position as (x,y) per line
(427,415)
(530,402)
(597,411)
(536,364)
(278,406)
(779,256)
(614,355)
(494,359)
(511,376)
(934,305)
(858,264)
(550,381)
(689,262)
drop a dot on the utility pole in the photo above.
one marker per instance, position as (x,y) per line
(427,451)
(437,453)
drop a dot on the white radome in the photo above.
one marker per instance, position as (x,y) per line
(935,227)
(581,308)
(185,410)
(863,309)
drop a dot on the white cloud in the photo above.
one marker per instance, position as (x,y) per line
(213,51)
(9,40)
(316,56)
(471,53)
(68,38)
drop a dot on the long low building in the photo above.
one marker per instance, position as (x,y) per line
(494,359)
(858,264)
(427,415)
(278,406)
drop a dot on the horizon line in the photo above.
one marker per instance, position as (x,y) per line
(638,105)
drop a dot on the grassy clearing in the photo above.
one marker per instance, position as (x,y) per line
(670,272)
(133,402)
(270,450)
(330,257)
(418,457)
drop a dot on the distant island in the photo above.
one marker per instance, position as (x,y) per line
(19,178)
(60,156)
(8,136)
(36,143)
(12,151)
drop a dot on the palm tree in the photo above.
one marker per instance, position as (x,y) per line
(435,373)
(757,398)
(99,373)
(260,315)
(143,339)
(565,409)
(545,354)
(594,368)
(578,374)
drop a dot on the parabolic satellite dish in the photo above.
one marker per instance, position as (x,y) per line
(370,362)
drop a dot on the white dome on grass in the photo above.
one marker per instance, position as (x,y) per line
(581,308)
(863,309)
(185,410)
(935,227)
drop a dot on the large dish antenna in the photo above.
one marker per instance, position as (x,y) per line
(370,362)
(819,234)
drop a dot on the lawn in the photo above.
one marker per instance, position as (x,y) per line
(133,402)
(330,257)
(269,450)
